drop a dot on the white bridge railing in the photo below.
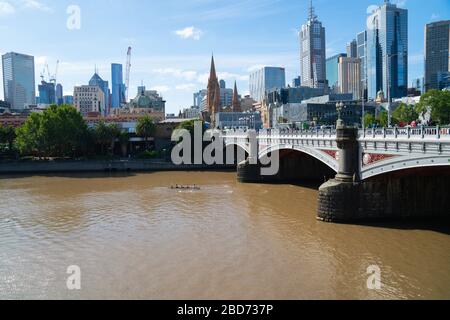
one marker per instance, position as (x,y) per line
(383,133)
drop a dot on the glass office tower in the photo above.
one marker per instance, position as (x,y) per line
(118,87)
(266,79)
(18,80)
(333,71)
(387,51)
(437,54)
(361,40)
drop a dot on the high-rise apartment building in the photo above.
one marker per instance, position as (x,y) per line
(437,55)
(18,80)
(387,51)
(313,52)
(266,79)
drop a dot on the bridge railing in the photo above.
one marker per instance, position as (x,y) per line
(408,133)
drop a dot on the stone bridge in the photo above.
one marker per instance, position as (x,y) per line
(373,173)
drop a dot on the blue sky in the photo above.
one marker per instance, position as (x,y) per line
(173,40)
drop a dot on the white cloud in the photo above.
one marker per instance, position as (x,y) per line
(36,5)
(6,9)
(203,78)
(435,16)
(189,33)
(188,75)
(161,89)
(186,87)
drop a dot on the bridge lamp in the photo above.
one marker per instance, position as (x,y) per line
(339,107)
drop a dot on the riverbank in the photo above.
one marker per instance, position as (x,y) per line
(37,167)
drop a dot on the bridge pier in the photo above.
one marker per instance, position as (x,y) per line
(410,194)
(248,172)
(338,197)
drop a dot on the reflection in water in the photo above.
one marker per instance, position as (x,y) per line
(134,237)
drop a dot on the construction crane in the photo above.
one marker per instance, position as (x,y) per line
(127,74)
(55,75)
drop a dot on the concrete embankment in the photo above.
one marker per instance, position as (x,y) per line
(35,167)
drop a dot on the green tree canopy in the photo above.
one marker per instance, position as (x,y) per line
(405,114)
(106,135)
(59,131)
(438,103)
(7,136)
(146,128)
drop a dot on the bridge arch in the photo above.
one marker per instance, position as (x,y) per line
(404,163)
(236,150)
(301,164)
(313,152)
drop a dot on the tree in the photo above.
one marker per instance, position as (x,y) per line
(405,114)
(383,118)
(124,140)
(59,131)
(145,128)
(369,120)
(438,104)
(106,135)
(29,137)
(7,136)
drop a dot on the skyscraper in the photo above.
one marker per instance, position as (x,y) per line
(47,94)
(361,40)
(437,54)
(333,71)
(18,80)
(349,79)
(266,79)
(96,80)
(352,49)
(387,51)
(312,52)
(118,87)
(59,94)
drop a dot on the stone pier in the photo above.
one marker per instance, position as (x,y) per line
(416,193)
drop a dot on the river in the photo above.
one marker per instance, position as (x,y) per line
(134,238)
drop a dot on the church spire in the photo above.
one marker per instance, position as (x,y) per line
(212,74)
(213,95)
(235,104)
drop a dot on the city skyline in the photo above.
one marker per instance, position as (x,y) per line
(180,67)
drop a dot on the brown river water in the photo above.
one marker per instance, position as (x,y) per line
(134,238)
